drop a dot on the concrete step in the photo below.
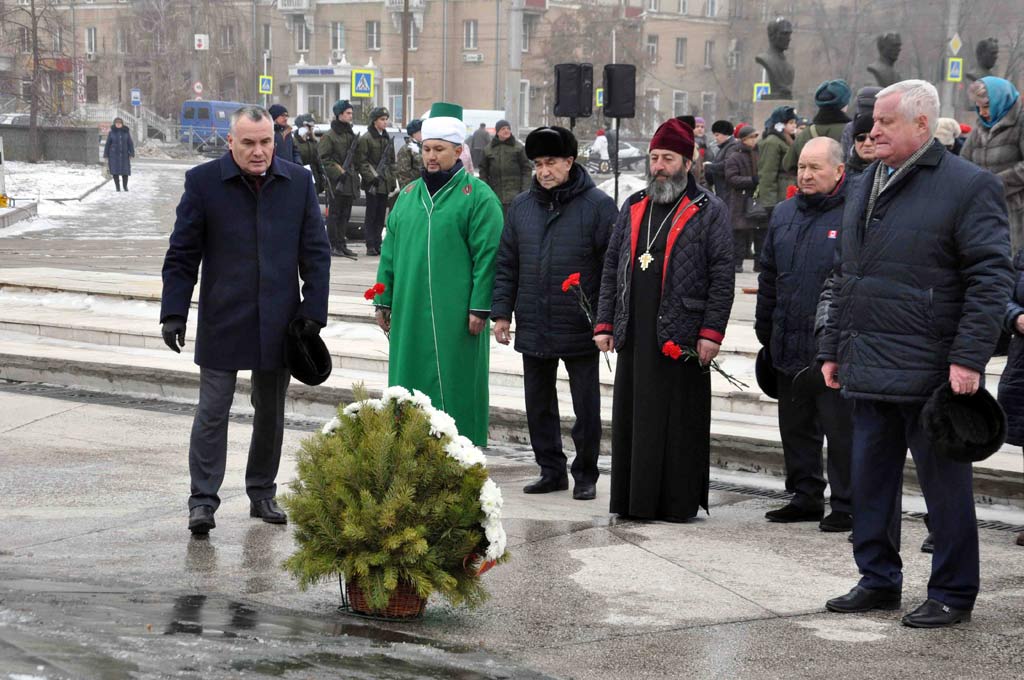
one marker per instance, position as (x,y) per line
(740,441)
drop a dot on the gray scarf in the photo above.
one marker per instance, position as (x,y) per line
(883,179)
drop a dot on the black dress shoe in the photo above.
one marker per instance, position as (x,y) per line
(837,521)
(583,491)
(934,614)
(268,510)
(928,546)
(348,252)
(794,513)
(200,519)
(546,485)
(862,599)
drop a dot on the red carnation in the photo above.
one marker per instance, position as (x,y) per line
(792,191)
(672,350)
(572,280)
(374,291)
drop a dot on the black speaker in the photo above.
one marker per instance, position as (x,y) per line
(574,90)
(619,91)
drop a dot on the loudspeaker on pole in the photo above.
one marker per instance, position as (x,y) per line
(619,91)
(574,90)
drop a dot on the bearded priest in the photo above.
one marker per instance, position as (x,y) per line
(666,294)
(437,266)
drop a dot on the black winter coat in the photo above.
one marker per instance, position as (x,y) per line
(698,279)
(254,246)
(716,169)
(796,259)
(119,150)
(741,176)
(284,146)
(549,235)
(924,285)
(1011,384)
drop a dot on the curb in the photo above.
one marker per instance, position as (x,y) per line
(79,198)
(728,451)
(19,214)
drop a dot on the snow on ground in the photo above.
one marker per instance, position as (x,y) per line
(628,185)
(52,180)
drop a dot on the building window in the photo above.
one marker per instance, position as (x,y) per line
(302,33)
(652,48)
(414,36)
(119,42)
(58,40)
(24,40)
(711,9)
(709,53)
(469,32)
(680,51)
(684,6)
(373,35)
(227,37)
(653,5)
(90,40)
(708,104)
(524,103)
(680,103)
(529,30)
(266,37)
(337,35)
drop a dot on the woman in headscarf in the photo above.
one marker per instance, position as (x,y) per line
(997,144)
(119,150)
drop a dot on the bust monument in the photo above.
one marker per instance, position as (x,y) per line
(884,70)
(780,71)
(987,52)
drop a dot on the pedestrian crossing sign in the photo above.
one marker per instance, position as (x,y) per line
(362,83)
(955,69)
(761,90)
(599,97)
(266,85)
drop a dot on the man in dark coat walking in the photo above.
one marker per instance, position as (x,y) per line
(252,221)
(666,293)
(557,229)
(919,291)
(797,257)
(284,144)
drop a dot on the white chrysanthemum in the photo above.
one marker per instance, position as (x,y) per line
(331,425)
(496,540)
(352,409)
(421,400)
(442,424)
(490,498)
(375,404)
(396,392)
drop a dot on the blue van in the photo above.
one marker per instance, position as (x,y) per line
(206,122)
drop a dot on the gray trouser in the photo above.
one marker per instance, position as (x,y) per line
(208,447)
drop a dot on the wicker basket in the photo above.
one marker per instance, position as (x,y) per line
(405,602)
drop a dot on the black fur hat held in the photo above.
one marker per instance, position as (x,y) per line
(964,428)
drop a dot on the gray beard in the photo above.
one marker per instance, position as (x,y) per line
(669,191)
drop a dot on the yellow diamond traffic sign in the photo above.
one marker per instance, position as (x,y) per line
(955,44)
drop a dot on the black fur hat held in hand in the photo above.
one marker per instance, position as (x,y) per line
(964,428)
(306,356)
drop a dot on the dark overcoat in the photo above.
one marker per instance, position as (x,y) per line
(549,235)
(119,150)
(1011,383)
(921,284)
(253,247)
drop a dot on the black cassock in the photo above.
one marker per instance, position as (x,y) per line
(661,409)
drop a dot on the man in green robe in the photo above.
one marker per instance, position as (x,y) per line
(437,266)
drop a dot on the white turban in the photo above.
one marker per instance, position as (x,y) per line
(443,127)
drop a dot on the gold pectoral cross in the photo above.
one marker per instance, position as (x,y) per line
(645,260)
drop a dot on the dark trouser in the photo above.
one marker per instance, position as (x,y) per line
(373,225)
(208,448)
(882,431)
(757,240)
(540,378)
(120,180)
(741,241)
(337,220)
(802,422)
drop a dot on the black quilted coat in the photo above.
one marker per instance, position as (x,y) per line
(1011,384)
(549,235)
(796,259)
(697,287)
(924,285)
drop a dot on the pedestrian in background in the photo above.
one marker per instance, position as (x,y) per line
(773,178)
(831,98)
(864,105)
(997,144)
(741,177)
(863,153)
(726,143)
(119,151)
(477,143)
(409,165)
(505,167)
(284,146)
(306,144)
(337,151)
(375,158)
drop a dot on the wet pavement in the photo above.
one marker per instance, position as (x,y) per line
(99,578)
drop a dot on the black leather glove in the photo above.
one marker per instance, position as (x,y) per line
(174,332)
(305,328)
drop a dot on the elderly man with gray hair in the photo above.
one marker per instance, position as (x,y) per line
(920,288)
(796,259)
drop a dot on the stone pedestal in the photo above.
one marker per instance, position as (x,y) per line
(763,109)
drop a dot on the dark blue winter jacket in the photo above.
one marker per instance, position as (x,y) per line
(924,284)
(1011,383)
(284,146)
(119,151)
(254,246)
(797,258)
(549,235)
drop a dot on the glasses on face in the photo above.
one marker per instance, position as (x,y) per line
(862,137)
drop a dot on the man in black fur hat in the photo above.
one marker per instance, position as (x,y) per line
(556,230)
